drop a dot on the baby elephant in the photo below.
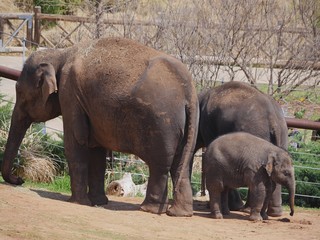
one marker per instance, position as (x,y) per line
(241,159)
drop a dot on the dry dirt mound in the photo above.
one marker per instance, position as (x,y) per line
(38,214)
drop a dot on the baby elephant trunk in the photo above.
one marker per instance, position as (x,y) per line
(291,189)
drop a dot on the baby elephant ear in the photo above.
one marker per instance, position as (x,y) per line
(47,80)
(269,164)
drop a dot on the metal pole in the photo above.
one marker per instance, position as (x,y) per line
(9,73)
(302,123)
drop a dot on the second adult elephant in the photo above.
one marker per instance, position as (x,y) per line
(114,94)
(235,107)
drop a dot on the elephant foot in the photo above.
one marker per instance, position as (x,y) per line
(255,216)
(245,209)
(185,210)
(264,216)
(274,211)
(225,211)
(156,208)
(216,215)
(81,201)
(12,179)
(99,200)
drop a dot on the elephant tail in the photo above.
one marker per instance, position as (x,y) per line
(278,126)
(189,141)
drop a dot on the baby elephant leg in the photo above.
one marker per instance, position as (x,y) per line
(215,201)
(257,198)
(270,186)
(225,202)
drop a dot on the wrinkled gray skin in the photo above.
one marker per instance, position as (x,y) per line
(113,94)
(241,159)
(237,106)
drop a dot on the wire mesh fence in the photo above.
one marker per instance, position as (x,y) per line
(123,163)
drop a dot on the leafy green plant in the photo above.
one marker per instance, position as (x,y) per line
(299,114)
(307,173)
(57,6)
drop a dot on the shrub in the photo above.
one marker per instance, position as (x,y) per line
(36,169)
(307,173)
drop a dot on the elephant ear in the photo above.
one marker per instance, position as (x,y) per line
(46,80)
(270,163)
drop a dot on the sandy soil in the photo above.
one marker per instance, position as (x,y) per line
(39,214)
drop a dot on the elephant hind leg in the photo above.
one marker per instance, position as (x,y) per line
(183,204)
(182,196)
(215,188)
(156,200)
(225,202)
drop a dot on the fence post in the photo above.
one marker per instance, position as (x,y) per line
(1,31)
(37,26)
(29,32)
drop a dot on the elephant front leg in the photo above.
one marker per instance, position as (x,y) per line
(77,157)
(257,198)
(96,176)
(274,207)
(270,186)
(156,200)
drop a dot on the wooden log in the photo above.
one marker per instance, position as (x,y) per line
(37,26)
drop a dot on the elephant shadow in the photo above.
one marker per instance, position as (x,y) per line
(201,209)
(112,204)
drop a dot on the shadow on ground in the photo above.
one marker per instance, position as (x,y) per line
(112,204)
(201,209)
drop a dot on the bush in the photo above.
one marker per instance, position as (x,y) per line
(36,169)
(307,173)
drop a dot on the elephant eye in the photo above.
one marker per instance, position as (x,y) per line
(286,173)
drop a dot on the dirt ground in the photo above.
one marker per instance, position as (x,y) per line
(39,214)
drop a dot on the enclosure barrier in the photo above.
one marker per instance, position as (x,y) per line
(291,122)
(9,73)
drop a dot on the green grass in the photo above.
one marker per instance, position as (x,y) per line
(60,184)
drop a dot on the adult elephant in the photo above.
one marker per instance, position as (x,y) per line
(114,94)
(235,107)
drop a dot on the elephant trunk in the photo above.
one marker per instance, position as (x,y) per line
(18,128)
(291,189)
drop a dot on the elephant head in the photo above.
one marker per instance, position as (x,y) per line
(36,101)
(279,167)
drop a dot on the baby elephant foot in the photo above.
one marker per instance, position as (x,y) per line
(225,211)
(274,211)
(245,209)
(264,216)
(185,210)
(255,216)
(156,208)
